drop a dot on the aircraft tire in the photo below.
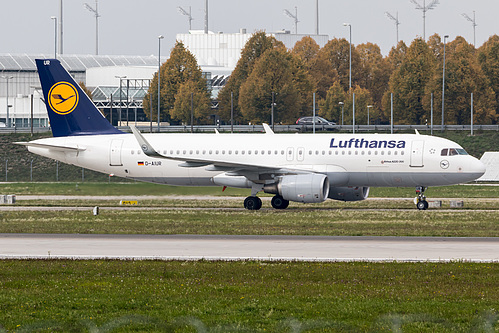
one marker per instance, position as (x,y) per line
(422,205)
(252,203)
(279,202)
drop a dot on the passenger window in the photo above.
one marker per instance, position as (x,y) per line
(444,152)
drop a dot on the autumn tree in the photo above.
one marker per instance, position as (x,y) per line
(190,95)
(408,84)
(321,71)
(178,69)
(463,77)
(488,57)
(272,73)
(362,100)
(337,53)
(254,48)
(397,56)
(376,71)
(330,108)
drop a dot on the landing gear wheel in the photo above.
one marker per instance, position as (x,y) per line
(421,202)
(279,202)
(252,203)
(422,205)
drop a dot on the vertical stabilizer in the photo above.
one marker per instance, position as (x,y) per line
(70,110)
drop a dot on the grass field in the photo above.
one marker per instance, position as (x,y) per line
(154,296)
(248,296)
(117,188)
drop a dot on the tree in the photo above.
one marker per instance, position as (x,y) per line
(408,83)
(201,104)
(178,69)
(376,71)
(337,53)
(362,100)
(254,48)
(330,107)
(397,56)
(271,73)
(321,71)
(488,57)
(463,77)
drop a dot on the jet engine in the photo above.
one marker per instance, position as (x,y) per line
(348,193)
(307,188)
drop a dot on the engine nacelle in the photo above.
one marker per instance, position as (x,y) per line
(308,188)
(348,193)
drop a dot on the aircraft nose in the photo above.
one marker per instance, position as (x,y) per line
(477,167)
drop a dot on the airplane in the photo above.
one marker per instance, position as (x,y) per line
(307,168)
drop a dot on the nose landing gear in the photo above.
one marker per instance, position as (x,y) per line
(420,200)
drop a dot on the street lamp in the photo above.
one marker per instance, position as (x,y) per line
(350,27)
(160,37)
(368,107)
(7,78)
(96,13)
(342,107)
(55,35)
(443,84)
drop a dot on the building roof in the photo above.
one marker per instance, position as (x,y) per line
(74,62)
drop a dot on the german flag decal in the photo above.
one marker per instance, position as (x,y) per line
(140,163)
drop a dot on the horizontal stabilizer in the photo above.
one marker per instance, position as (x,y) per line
(52,147)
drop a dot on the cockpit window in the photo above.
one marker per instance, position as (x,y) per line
(453,152)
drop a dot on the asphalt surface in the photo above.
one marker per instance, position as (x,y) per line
(299,248)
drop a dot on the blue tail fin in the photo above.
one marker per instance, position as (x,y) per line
(70,110)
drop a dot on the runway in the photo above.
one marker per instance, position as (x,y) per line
(297,248)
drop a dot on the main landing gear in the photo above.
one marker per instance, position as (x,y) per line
(252,203)
(255,203)
(420,200)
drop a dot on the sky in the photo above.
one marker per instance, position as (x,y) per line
(132,27)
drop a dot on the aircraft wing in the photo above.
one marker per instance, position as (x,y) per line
(74,148)
(232,168)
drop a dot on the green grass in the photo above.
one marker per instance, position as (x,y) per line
(139,188)
(456,223)
(155,296)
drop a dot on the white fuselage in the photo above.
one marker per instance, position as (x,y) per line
(347,159)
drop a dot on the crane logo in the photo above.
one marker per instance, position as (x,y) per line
(63,98)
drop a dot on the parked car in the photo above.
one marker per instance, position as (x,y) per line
(318,121)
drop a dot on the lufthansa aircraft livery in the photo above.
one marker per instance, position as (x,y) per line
(294,167)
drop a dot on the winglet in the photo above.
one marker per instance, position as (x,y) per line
(417,132)
(267,129)
(216,131)
(144,145)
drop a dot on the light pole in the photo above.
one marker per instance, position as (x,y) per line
(424,8)
(397,22)
(368,107)
(96,12)
(160,37)
(342,108)
(7,78)
(121,78)
(443,84)
(350,27)
(473,23)
(55,35)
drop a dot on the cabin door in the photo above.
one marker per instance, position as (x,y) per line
(115,153)
(417,153)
